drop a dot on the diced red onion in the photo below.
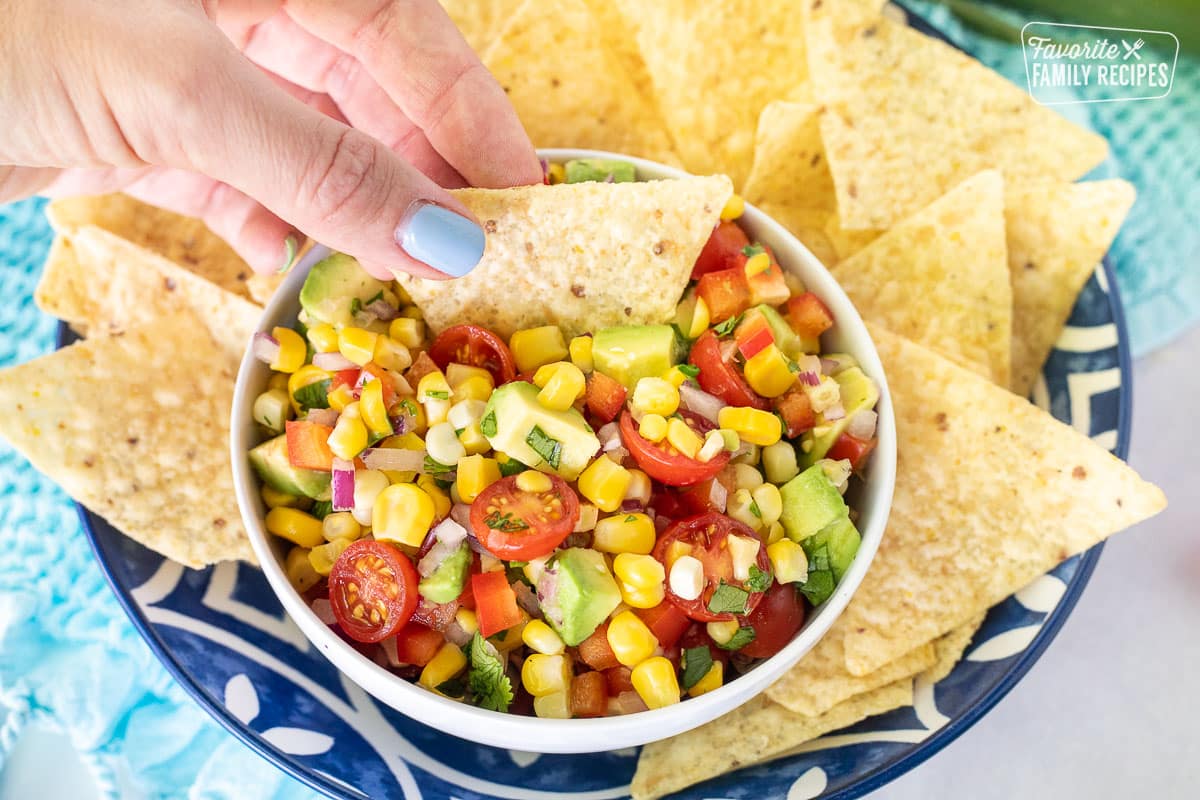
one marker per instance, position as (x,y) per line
(461,513)
(701,402)
(618,454)
(456,635)
(862,424)
(390,652)
(332,362)
(382,310)
(450,531)
(630,703)
(809,370)
(266,347)
(834,412)
(478,547)
(394,458)
(727,348)
(718,495)
(614,443)
(545,169)
(650,512)
(322,416)
(608,432)
(526,599)
(343,485)
(324,610)
(609,178)
(828,365)
(628,506)
(661,524)
(401,423)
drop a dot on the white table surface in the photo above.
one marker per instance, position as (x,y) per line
(1112,709)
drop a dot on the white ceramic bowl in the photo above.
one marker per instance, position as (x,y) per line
(577,735)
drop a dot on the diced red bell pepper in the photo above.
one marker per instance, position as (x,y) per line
(605,397)
(726,293)
(417,644)
(852,448)
(797,412)
(768,287)
(596,652)
(808,315)
(345,377)
(753,334)
(589,695)
(666,621)
(619,680)
(308,445)
(722,250)
(495,603)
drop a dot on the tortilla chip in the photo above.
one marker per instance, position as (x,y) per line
(754,732)
(941,278)
(575,92)
(991,492)
(1057,234)
(949,649)
(820,680)
(610,28)
(582,256)
(101,283)
(911,116)
(136,427)
(184,240)
(480,21)
(711,96)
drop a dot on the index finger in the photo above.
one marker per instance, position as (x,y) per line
(413,50)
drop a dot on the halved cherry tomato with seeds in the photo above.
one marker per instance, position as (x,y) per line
(516,525)
(475,347)
(719,377)
(373,590)
(663,462)
(704,538)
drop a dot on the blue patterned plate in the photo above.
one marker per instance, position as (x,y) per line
(223,634)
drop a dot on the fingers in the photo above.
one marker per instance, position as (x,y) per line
(421,60)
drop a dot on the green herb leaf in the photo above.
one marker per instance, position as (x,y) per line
(487,425)
(751,250)
(409,407)
(511,467)
(696,662)
(438,394)
(377,296)
(759,580)
(455,687)
(728,599)
(355,307)
(819,584)
(459,431)
(314,395)
(744,636)
(631,518)
(754,509)
(691,370)
(436,468)
(793,367)
(504,522)
(321,509)
(726,327)
(490,687)
(546,446)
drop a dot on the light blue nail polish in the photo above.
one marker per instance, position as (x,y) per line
(444,240)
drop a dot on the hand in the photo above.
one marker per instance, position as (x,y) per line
(267,118)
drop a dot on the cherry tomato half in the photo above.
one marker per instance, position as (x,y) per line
(475,347)
(703,537)
(775,621)
(722,250)
(514,524)
(719,377)
(373,590)
(663,462)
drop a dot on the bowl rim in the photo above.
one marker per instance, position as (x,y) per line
(573,735)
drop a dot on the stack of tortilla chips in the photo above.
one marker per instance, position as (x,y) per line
(939,194)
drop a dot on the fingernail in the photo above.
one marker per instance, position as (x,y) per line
(444,240)
(291,246)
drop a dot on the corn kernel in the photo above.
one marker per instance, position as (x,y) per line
(639,488)
(467,620)
(534,347)
(292,350)
(322,557)
(692,315)
(721,632)
(349,437)
(683,438)
(374,413)
(713,679)
(604,483)
(433,386)
(541,637)
(641,579)
(740,506)
(769,502)
(412,312)
(402,513)
(443,445)
(295,526)
(510,639)
(278,381)
(323,337)
(340,397)
(733,208)
(299,572)
(655,682)
(407,331)
(534,482)
(557,173)
(775,532)
(368,485)
(788,561)
(653,427)
(304,376)
(441,500)
(392,355)
(562,384)
(473,440)
(654,396)
(475,473)
(687,575)
(545,674)
(757,263)
(459,374)
(588,516)
(624,533)
(743,553)
(552,706)
(675,551)
(448,662)
(276,499)
(714,445)
(580,349)
(465,413)
(340,525)
(769,372)
(779,462)
(357,345)
(631,641)
(474,388)
(750,454)
(751,424)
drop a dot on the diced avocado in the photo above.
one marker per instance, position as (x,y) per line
(857,392)
(599,169)
(810,503)
(559,442)
(830,552)
(629,352)
(272,409)
(842,362)
(336,288)
(447,581)
(270,461)
(577,593)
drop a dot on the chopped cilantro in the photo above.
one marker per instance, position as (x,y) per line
(409,407)
(459,431)
(377,296)
(314,395)
(819,584)
(504,522)
(751,250)
(754,509)
(744,636)
(691,370)
(490,687)
(511,467)
(759,580)
(321,509)
(726,327)
(436,468)
(696,662)
(438,394)
(375,438)
(518,563)
(355,307)
(631,518)
(487,425)
(793,366)
(546,446)
(728,599)
(455,687)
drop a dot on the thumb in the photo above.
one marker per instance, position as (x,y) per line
(337,184)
